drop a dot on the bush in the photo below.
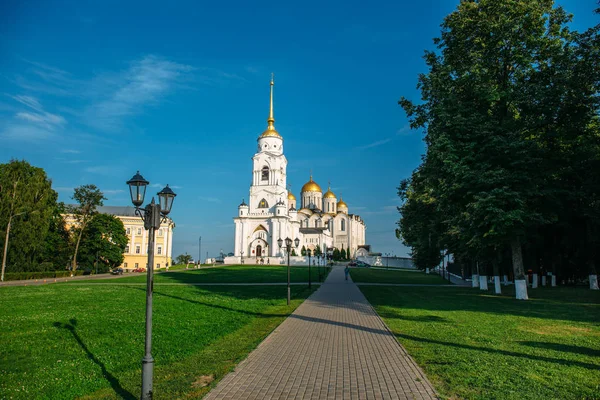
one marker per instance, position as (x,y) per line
(18,276)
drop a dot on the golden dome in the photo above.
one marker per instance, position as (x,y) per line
(342,204)
(270,132)
(311,186)
(329,194)
(291,196)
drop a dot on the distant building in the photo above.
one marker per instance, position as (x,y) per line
(136,251)
(319,220)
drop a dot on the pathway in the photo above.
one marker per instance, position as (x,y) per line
(334,346)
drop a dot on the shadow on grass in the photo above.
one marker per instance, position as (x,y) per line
(565,348)
(593,367)
(114,382)
(568,304)
(419,318)
(263,315)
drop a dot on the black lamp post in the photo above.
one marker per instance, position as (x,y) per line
(288,247)
(309,252)
(152,215)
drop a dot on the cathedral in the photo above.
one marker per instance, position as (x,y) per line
(272,213)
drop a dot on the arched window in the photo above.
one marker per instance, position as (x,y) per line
(316,225)
(263,204)
(265,173)
(343,225)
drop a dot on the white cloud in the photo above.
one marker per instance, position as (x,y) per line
(70,151)
(112,191)
(33,123)
(64,189)
(375,144)
(160,186)
(144,83)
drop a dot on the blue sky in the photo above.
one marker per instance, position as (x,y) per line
(92,91)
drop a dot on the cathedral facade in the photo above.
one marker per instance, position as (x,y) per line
(319,220)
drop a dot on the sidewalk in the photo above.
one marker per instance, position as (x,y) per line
(334,346)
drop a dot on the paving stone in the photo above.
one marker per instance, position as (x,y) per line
(334,346)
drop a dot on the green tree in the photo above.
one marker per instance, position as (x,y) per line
(293,252)
(336,254)
(26,204)
(492,98)
(89,198)
(184,259)
(318,251)
(57,245)
(347,254)
(103,243)
(303,251)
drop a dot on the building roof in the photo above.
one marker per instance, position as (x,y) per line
(123,211)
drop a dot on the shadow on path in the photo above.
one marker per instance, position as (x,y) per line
(114,382)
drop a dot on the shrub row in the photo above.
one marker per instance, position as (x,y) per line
(17,276)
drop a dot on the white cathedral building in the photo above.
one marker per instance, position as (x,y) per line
(320,220)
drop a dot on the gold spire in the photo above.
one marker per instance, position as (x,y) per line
(271,131)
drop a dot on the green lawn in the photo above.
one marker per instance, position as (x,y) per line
(63,341)
(367,275)
(476,345)
(224,274)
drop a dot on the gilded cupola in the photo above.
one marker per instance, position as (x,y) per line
(329,194)
(311,186)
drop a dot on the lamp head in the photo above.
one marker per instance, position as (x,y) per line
(137,189)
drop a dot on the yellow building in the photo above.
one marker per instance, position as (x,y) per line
(136,251)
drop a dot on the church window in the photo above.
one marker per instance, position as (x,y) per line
(263,204)
(265,173)
(127,249)
(316,223)
(129,231)
(343,226)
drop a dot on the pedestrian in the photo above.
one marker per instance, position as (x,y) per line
(346,271)
(268,261)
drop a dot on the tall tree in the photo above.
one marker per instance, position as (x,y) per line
(26,196)
(57,244)
(103,242)
(488,100)
(89,198)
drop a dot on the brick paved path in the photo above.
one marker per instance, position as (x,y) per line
(334,346)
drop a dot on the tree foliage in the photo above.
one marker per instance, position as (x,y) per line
(88,198)
(510,113)
(27,203)
(103,243)
(184,259)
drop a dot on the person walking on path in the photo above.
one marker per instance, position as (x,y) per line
(346,271)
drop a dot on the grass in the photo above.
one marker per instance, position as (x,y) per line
(367,275)
(224,274)
(62,341)
(475,345)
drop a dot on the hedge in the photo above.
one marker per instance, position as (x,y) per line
(18,276)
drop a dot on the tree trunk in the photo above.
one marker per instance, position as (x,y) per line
(534,281)
(505,279)
(543,280)
(74,261)
(483,279)
(593,276)
(497,278)
(6,247)
(517,260)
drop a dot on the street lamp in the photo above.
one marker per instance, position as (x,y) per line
(152,215)
(242,254)
(309,252)
(288,247)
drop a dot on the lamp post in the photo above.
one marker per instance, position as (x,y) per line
(387,260)
(309,252)
(288,247)
(242,254)
(153,215)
